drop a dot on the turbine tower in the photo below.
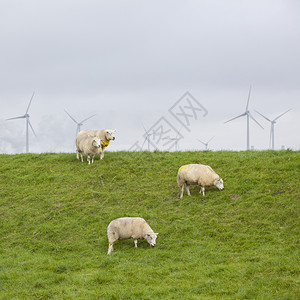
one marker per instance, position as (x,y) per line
(147,138)
(249,116)
(205,144)
(26,116)
(273,122)
(79,124)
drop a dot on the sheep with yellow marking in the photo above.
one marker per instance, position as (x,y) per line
(197,174)
(106,135)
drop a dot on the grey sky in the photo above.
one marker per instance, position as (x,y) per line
(128,62)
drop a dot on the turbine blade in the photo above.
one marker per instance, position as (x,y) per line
(248,98)
(144,142)
(21,117)
(31,127)
(144,128)
(282,115)
(71,117)
(255,121)
(29,103)
(210,139)
(88,118)
(201,142)
(168,142)
(263,116)
(236,117)
(146,132)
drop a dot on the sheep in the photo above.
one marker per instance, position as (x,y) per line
(106,135)
(88,145)
(126,228)
(198,174)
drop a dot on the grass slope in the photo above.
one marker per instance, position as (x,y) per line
(242,243)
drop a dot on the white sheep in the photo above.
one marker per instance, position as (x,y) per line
(106,135)
(198,174)
(88,145)
(126,228)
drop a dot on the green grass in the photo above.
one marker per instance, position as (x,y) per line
(241,243)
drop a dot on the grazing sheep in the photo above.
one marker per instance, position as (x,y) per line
(198,174)
(126,228)
(88,145)
(106,135)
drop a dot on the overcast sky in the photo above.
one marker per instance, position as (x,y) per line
(132,62)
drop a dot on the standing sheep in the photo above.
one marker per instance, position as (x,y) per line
(198,174)
(106,135)
(126,228)
(89,146)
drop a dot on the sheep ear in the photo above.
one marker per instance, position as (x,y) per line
(156,233)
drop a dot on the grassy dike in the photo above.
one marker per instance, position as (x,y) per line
(241,243)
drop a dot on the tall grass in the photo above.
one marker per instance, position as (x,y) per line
(241,243)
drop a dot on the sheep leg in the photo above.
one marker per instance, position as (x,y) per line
(89,159)
(202,190)
(77,154)
(112,237)
(182,189)
(135,243)
(110,248)
(101,154)
(93,159)
(81,157)
(188,189)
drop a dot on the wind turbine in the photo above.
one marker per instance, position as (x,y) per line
(205,144)
(176,139)
(79,124)
(249,115)
(273,122)
(26,116)
(147,138)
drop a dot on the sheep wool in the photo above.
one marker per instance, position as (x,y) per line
(127,228)
(106,135)
(197,174)
(89,146)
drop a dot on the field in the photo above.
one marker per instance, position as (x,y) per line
(240,243)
